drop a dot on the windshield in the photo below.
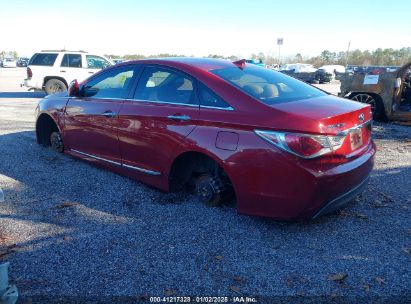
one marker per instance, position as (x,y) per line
(268,86)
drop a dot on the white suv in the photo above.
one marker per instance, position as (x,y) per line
(52,71)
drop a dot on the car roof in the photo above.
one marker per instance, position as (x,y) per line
(61,51)
(205,64)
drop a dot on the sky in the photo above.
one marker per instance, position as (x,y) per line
(202,27)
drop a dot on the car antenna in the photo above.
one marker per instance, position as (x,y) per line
(240,63)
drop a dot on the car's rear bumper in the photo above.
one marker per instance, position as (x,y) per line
(31,83)
(282,188)
(342,200)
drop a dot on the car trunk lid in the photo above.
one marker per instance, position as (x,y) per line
(330,115)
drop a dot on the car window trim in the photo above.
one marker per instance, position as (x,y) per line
(99,98)
(164,102)
(230,108)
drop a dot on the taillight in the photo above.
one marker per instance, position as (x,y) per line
(29,73)
(302,145)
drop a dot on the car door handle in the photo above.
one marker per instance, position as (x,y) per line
(91,72)
(179,117)
(109,114)
(62,71)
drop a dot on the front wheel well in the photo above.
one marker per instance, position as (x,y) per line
(381,111)
(375,95)
(45,125)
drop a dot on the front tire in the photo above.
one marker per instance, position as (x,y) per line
(54,85)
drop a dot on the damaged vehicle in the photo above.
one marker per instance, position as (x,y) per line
(388,93)
(307,73)
(224,130)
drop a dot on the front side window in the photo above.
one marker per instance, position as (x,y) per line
(96,62)
(71,61)
(45,59)
(112,84)
(267,86)
(163,85)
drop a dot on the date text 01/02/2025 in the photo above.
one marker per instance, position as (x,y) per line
(206,299)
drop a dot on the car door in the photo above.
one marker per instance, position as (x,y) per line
(162,113)
(90,119)
(71,68)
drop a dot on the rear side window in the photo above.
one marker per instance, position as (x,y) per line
(211,100)
(71,60)
(46,59)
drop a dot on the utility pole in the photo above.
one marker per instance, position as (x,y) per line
(347,55)
(280,42)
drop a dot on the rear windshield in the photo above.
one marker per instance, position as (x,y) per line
(46,59)
(266,85)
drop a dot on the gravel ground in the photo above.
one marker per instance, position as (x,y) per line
(71,229)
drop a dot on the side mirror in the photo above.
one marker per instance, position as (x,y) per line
(73,88)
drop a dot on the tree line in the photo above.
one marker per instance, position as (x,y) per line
(381,57)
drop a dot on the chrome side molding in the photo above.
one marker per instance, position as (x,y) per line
(150,172)
(142,170)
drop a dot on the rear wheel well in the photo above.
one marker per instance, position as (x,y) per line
(54,77)
(45,125)
(188,164)
(192,165)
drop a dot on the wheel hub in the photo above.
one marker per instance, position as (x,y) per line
(368,99)
(56,141)
(206,191)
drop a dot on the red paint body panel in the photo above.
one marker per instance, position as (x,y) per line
(227,141)
(267,180)
(148,138)
(87,130)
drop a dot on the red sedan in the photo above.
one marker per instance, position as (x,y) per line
(280,147)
